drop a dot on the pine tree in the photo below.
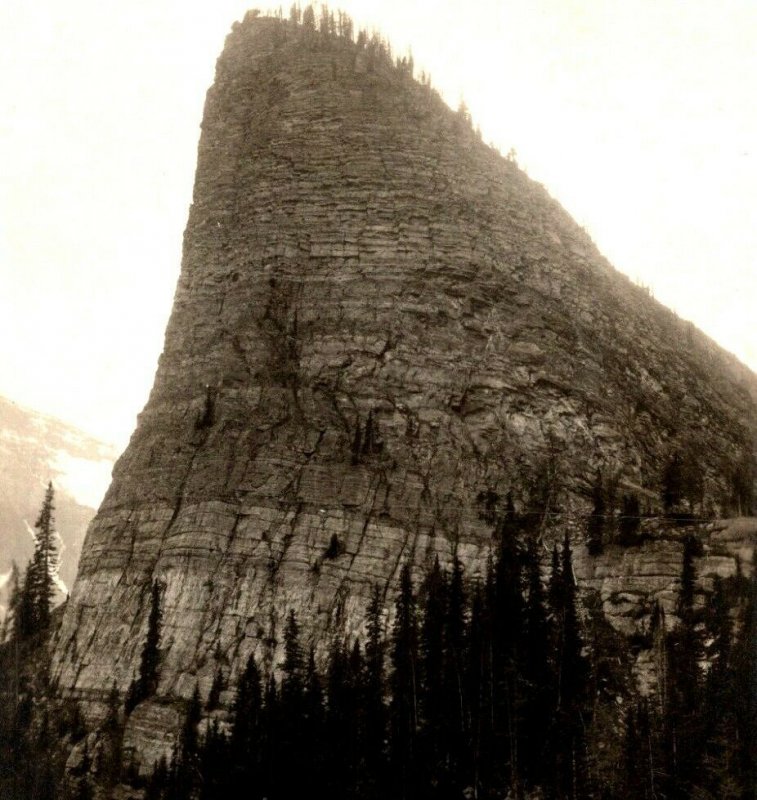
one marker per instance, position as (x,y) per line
(404,721)
(188,740)
(213,765)
(745,689)
(555,599)
(720,762)
(83,790)
(246,727)
(146,684)
(113,731)
(357,444)
(112,720)
(342,731)
(187,757)
(672,484)
(26,623)
(742,485)
(308,19)
(370,443)
(292,745)
(36,594)
(433,705)
(507,640)
(456,701)
(684,692)
(157,781)
(571,670)
(45,559)
(293,668)
(313,723)
(214,695)
(538,703)
(373,696)
(272,755)
(478,683)
(639,779)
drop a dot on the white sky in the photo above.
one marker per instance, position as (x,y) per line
(640,118)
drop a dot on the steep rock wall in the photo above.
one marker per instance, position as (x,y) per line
(378,321)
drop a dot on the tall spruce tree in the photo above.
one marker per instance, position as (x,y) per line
(568,738)
(537,675)
(720,772)
(313,724)
(45,558)
(478,682)
(507,640)
(374,692)
(185,775)
(344,749)
(214,764)
(273,754)
(146,684)
(745,689)
(246,729)
(671,492)
(684,691)
(639,756)
(38,589)
(456,701)
(431,684)
(404,717)
(292,779)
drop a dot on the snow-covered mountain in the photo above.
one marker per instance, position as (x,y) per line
(35,449)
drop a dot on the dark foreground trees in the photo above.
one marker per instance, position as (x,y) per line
(476,686)
(487,688)
(695,736)
(482,688)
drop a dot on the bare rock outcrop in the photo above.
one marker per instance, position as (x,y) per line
(381,328)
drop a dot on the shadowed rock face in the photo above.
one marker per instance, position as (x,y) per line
(379,320)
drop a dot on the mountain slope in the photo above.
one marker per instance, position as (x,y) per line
(35,449)
(381,329)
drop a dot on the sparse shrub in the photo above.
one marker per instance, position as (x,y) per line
(335,548)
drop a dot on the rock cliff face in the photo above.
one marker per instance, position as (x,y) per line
(381,327)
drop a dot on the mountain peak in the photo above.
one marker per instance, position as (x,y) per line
(382,329)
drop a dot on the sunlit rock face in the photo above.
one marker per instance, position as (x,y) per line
(381,328)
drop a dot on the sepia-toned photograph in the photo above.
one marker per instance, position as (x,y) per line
(378,406)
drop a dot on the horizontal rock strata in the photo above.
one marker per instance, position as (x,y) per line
(378,321)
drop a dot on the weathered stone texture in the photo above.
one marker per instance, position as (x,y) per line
(353,249)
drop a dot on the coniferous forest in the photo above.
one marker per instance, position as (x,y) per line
(505,686)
